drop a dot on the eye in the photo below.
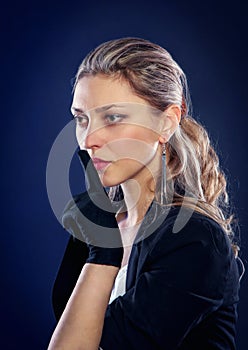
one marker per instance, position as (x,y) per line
(81,120)
(114,118)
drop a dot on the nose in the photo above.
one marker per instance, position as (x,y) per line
(94,138)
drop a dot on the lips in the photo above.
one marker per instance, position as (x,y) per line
(100,164)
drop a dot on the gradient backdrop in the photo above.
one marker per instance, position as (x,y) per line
(42,45)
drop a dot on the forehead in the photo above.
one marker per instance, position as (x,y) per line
(95,91)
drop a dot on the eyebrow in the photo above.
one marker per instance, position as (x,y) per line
(99,109)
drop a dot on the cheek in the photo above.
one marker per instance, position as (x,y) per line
(132,149)
(80,136)
(136,143)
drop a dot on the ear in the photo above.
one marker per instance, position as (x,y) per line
(171,119)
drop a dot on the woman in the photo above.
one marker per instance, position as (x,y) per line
(152,264)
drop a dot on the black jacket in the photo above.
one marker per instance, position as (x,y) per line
(181,288)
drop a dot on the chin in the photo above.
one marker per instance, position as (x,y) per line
(110,182)
(108,179)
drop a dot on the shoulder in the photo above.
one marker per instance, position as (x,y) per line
(197,257)
(184,227)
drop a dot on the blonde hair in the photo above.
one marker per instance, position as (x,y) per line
(192,162)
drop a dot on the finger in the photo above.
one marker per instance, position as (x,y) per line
(92,177)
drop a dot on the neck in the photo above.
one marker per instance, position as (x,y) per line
(139,193)
(138,197)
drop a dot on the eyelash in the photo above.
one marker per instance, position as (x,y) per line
(83,121)
(79,119)
(120,117)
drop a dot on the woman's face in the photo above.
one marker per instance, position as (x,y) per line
(119,129)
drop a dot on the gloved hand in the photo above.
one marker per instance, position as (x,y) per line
(90,217)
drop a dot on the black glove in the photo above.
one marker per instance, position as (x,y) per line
(90,217)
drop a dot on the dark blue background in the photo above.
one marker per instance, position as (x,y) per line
(41,48)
